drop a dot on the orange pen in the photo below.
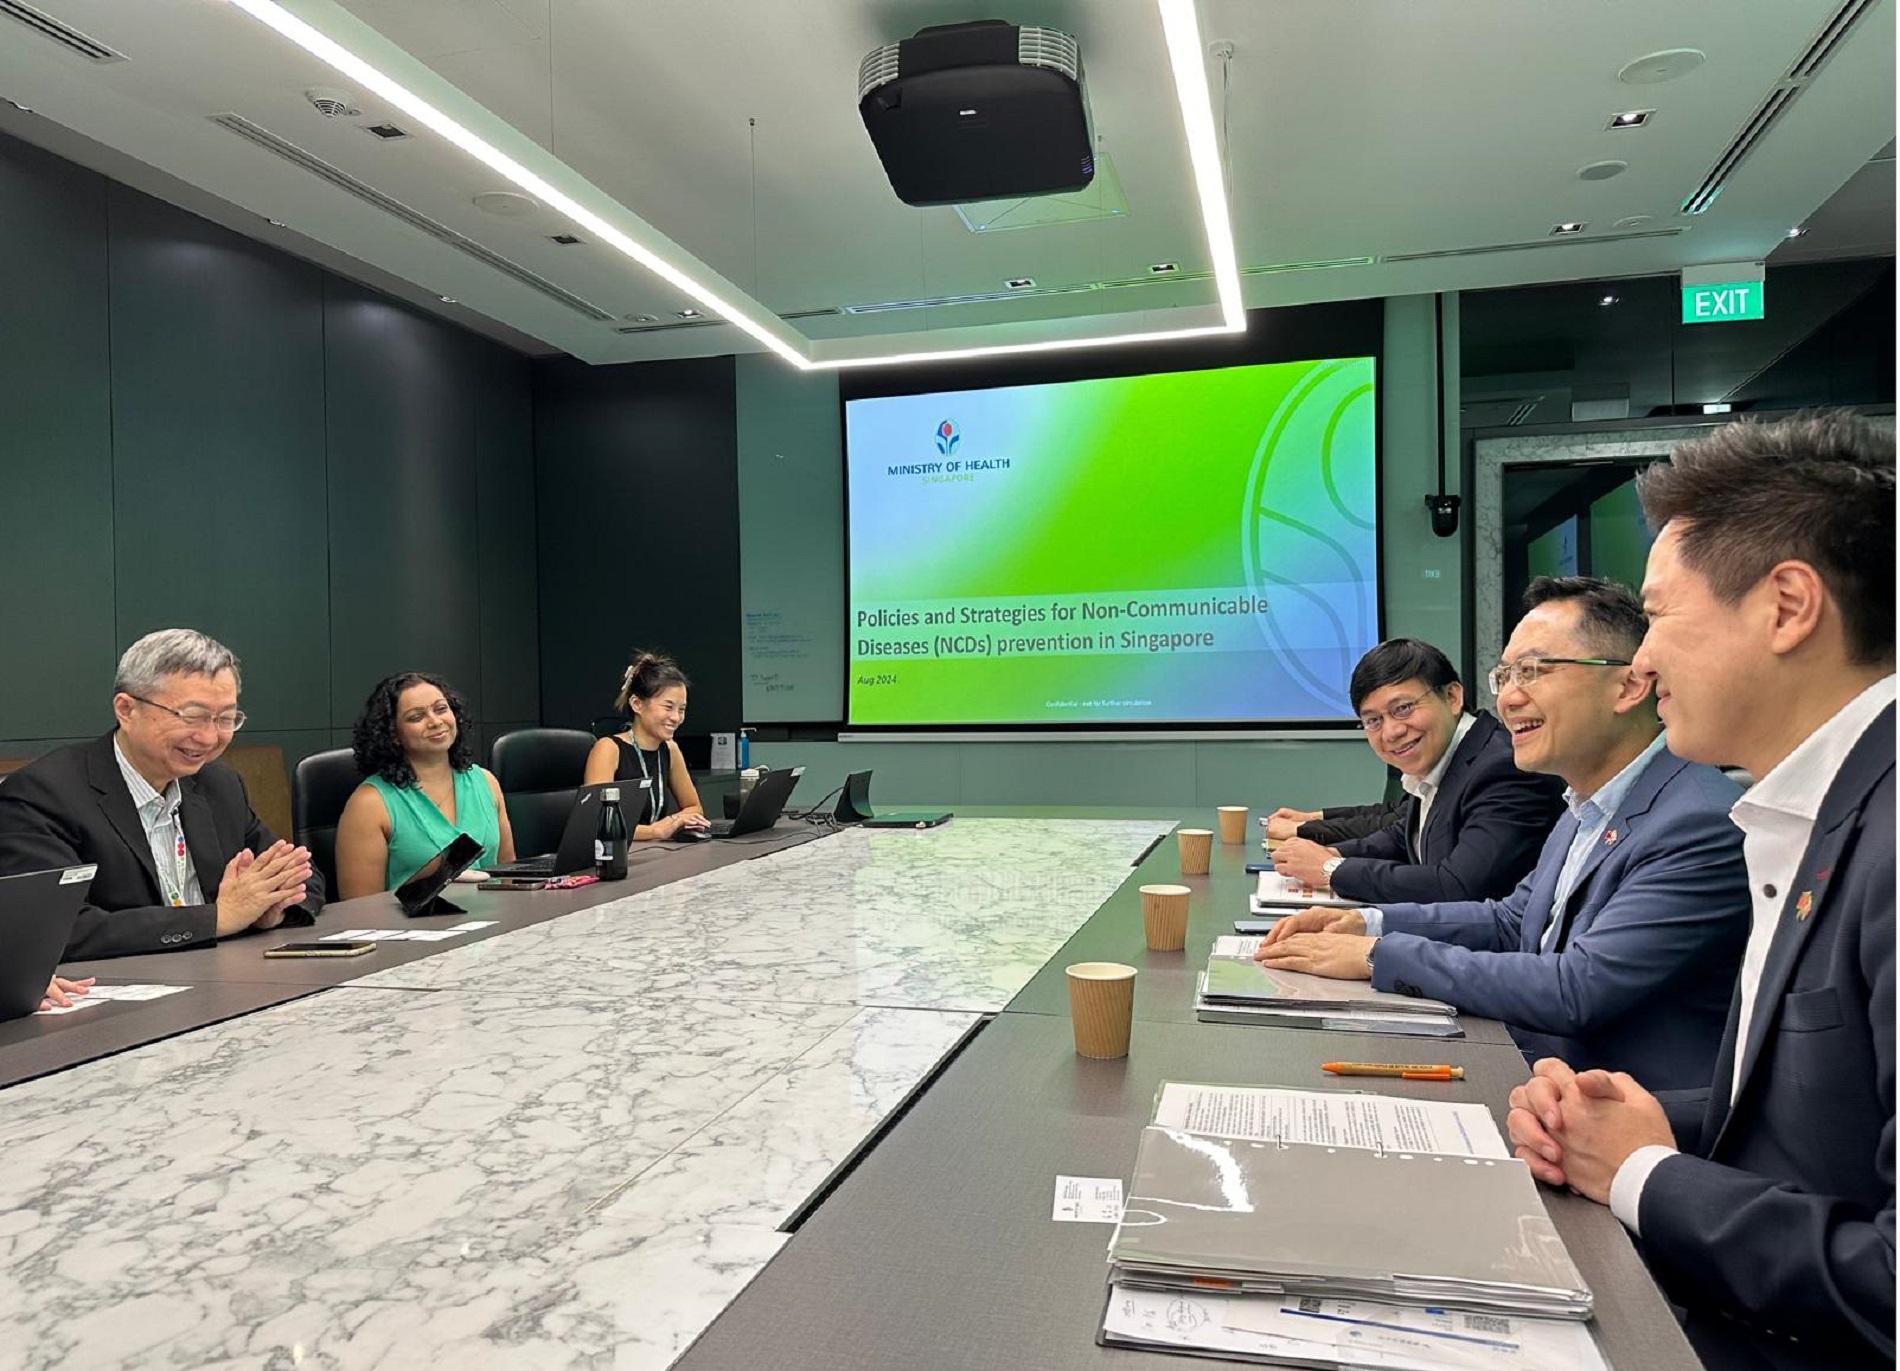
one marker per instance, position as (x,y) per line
(1402,1070)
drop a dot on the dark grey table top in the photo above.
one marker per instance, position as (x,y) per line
(234,977)
(938,1250)
(1164,991)
(242,958)
(41,1044)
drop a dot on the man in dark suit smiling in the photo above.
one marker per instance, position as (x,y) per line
(1765,1204)
(182,858)
(1472,824)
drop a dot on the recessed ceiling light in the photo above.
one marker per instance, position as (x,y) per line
(1165,268)
(643,318)
(1630,119)
(1602,171)
(627,233)
(24,109)
(1716,409)
(1631,221)
(386,131)
(1565,230)
(1021,282)
(275,223)
(566,240)
(1799,230)
(1609,300)
(687,313)
(448,299)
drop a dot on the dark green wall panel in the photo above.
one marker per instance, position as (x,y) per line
(504,456)
(404,532)
(636,471)
(217,403)
(56,615)
(196,429)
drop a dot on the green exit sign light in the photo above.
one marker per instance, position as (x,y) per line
(1723,302)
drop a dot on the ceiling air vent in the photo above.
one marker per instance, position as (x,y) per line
(1533,245)
(1768,113)
(342,180)
(64,34)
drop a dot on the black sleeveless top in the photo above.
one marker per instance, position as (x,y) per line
(658,770)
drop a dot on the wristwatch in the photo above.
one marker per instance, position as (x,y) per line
(1329,866)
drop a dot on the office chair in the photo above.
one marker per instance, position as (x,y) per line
(320,787)
(539,770)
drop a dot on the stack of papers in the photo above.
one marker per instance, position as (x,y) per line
(1313,1331)
(1276,894)
(1237,989)
(1333,1197)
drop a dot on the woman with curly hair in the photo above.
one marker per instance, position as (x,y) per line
(421,787)
(653,697)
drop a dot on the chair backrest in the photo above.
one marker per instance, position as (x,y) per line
(539,770)
(322,786)
(266,782)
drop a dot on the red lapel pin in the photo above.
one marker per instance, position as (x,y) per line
(1804,905)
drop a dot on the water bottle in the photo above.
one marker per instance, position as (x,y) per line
(610,839)
(745,748)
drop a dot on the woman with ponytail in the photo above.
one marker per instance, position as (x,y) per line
(653,697)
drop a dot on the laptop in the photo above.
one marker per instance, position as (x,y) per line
(762,806)
(854,807)
(421,896)
(576,850)
(37,913)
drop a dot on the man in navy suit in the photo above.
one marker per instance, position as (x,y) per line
(1472,823)
(1620,948)
(1765,1203)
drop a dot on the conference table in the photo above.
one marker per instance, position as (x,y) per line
(798,1102)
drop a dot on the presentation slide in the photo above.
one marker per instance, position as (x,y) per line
(1187,547)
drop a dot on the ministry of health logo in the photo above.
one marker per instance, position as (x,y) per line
(947,437)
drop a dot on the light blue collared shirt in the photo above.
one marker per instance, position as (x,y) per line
(1593,820)
(1593,814)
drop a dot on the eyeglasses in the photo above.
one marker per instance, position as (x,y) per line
(199,718)
(1525,670)
(1398,713)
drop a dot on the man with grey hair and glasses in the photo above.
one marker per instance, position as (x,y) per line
(182,858)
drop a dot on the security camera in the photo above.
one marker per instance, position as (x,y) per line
(1444,511)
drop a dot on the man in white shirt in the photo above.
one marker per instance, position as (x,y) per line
(1765,1204)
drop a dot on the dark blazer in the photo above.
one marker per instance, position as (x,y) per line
(1344,822)
(1487,825)
(1775,1227)
(72,806)
(1639,973)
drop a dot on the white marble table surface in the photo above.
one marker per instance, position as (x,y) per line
(571,1147)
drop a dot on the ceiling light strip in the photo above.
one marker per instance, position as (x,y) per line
(326,49)
(1181,29)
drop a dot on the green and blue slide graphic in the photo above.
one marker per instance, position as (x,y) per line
(1196,546)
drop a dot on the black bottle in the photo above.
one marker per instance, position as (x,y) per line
(610,840)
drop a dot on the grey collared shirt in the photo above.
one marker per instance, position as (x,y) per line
(164,833)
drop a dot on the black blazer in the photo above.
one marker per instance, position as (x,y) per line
(1344,822)
(1775,1228)
(71,807)
(1487,825)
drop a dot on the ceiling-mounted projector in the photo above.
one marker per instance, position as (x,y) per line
(982,111)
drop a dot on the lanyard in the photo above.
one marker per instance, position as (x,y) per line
(174,890)
(658,786)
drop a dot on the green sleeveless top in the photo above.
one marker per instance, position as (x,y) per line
(417,830)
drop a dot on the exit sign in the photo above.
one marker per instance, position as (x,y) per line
(1721,302)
